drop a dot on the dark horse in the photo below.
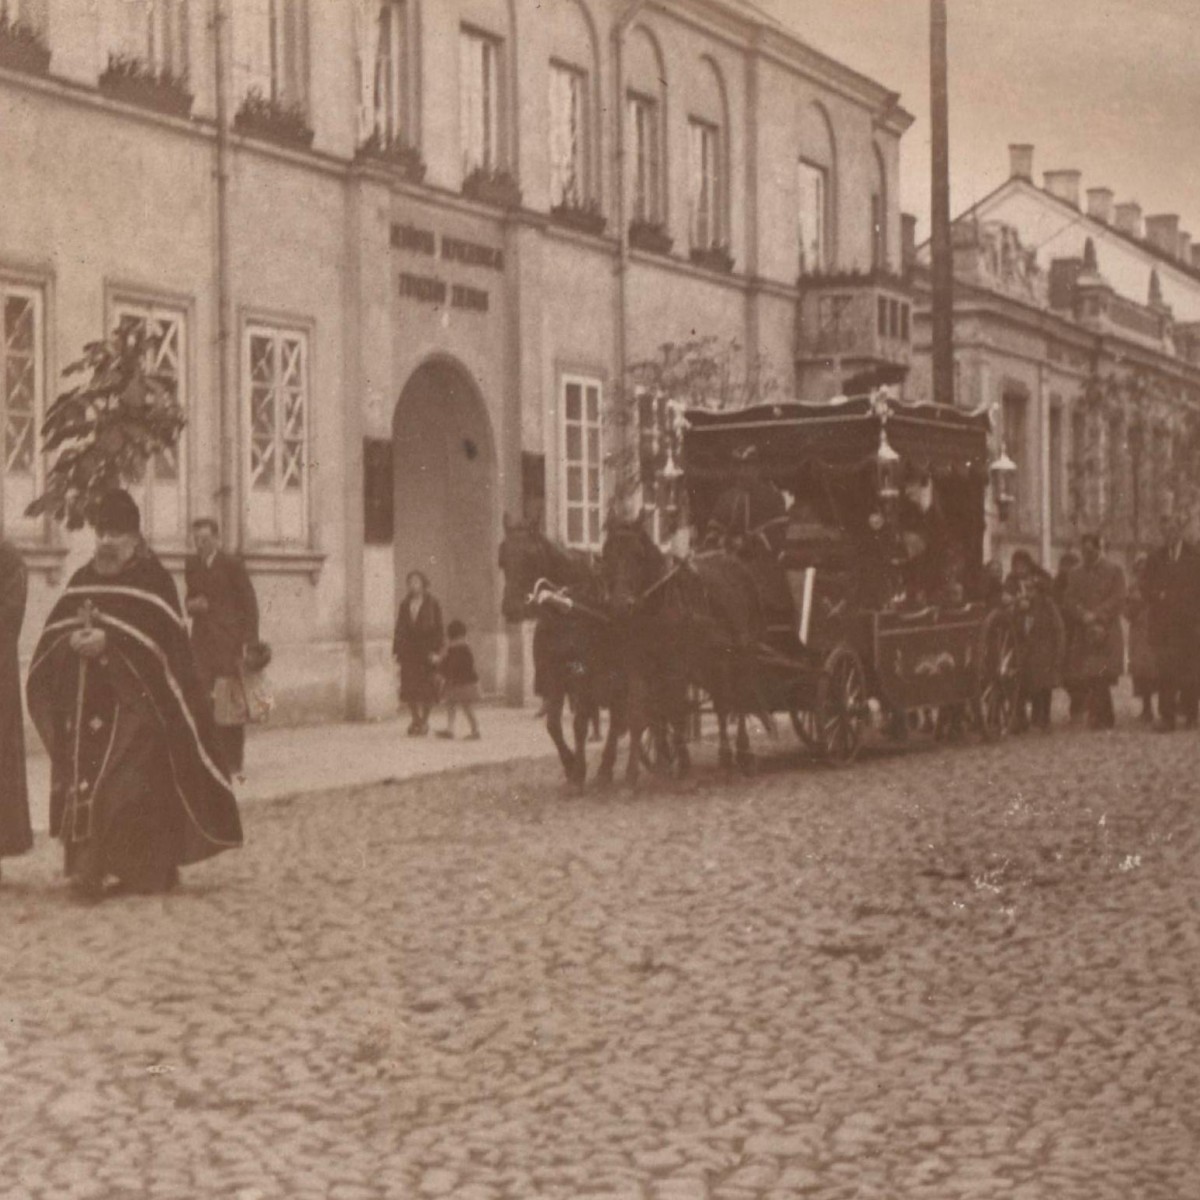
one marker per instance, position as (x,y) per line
(682,624)
(573,654)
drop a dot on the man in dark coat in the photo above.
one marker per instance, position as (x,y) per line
(416,646)
(1173,590)
(136,789)
(1095,599)
(16,836)
(224,612)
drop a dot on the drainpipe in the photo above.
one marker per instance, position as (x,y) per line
(227,406)
(621,28)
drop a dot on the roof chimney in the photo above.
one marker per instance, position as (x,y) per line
(1129,218)
(1185,247)
(1020,161)
(1162,232)
(1100,203)
(1064,185)
(1195,257)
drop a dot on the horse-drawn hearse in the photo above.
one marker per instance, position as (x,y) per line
(835,575)
(861,523)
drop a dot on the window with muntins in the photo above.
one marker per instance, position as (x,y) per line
(22,399)
(568,136)
(27,12)
(479,100)
(582,463)
(162,492)
(811,215)
(704,142)
(271,50)
(646,158)
(277,407)
(391,74)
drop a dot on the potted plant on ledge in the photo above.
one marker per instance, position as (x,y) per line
(650,235)
(713,258)
(583,215)
(493,185)
(272,120)
(396,153)
(135,81)
(22,48)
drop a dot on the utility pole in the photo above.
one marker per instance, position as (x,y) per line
(942,251)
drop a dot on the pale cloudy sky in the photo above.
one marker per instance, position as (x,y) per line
(1111,87)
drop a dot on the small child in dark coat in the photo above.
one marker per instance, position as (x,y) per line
(461,681)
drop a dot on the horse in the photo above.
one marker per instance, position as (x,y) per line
(682,624)
(572,642)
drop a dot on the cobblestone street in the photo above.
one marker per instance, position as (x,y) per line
(943,973)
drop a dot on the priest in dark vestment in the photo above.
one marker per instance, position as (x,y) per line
(137,789)
(15,833)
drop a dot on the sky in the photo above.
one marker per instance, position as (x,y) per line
(1109,87)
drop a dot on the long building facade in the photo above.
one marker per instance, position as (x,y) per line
(398,258)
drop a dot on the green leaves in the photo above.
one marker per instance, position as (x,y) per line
(102,434)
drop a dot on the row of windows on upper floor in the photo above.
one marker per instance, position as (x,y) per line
(272,66)
(275,421)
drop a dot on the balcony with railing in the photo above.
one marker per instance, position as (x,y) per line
(849,324)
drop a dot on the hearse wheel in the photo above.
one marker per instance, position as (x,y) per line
(999,677)
(844,712)
(656,750)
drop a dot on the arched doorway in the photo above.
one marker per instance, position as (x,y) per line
(445,486)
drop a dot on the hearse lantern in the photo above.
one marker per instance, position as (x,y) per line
(1004,476)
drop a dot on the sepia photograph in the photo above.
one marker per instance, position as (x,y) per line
(599,600)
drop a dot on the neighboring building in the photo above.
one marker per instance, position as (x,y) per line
(400,282)
(1080,329)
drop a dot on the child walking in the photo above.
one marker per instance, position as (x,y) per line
(462,681)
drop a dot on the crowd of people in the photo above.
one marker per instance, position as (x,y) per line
(141,709)
(1072,629)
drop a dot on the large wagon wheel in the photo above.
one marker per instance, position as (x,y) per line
(842,711)
(807,726)
(999,677)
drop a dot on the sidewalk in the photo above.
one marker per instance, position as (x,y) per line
(314,758)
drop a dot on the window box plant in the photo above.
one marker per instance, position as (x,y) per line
(396,153)
(713,258)
(651,236)
(22,48)
(583,215)
(270,119)
(135,81)
(493,185)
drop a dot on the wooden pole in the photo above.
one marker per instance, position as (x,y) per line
(942,251)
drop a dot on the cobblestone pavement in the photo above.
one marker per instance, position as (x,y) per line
(944,973)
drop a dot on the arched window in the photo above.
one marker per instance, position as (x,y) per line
(879,213)
(573,103)
(816,190)
(486,106)
(645,132)
(708,158)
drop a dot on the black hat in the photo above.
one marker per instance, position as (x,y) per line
(117,512)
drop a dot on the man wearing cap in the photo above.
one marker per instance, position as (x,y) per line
(224,612)
(15,833)
(1173,589)
(136,786)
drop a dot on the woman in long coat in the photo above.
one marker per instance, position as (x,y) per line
(416,646)
(15,833)
(1095,598)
